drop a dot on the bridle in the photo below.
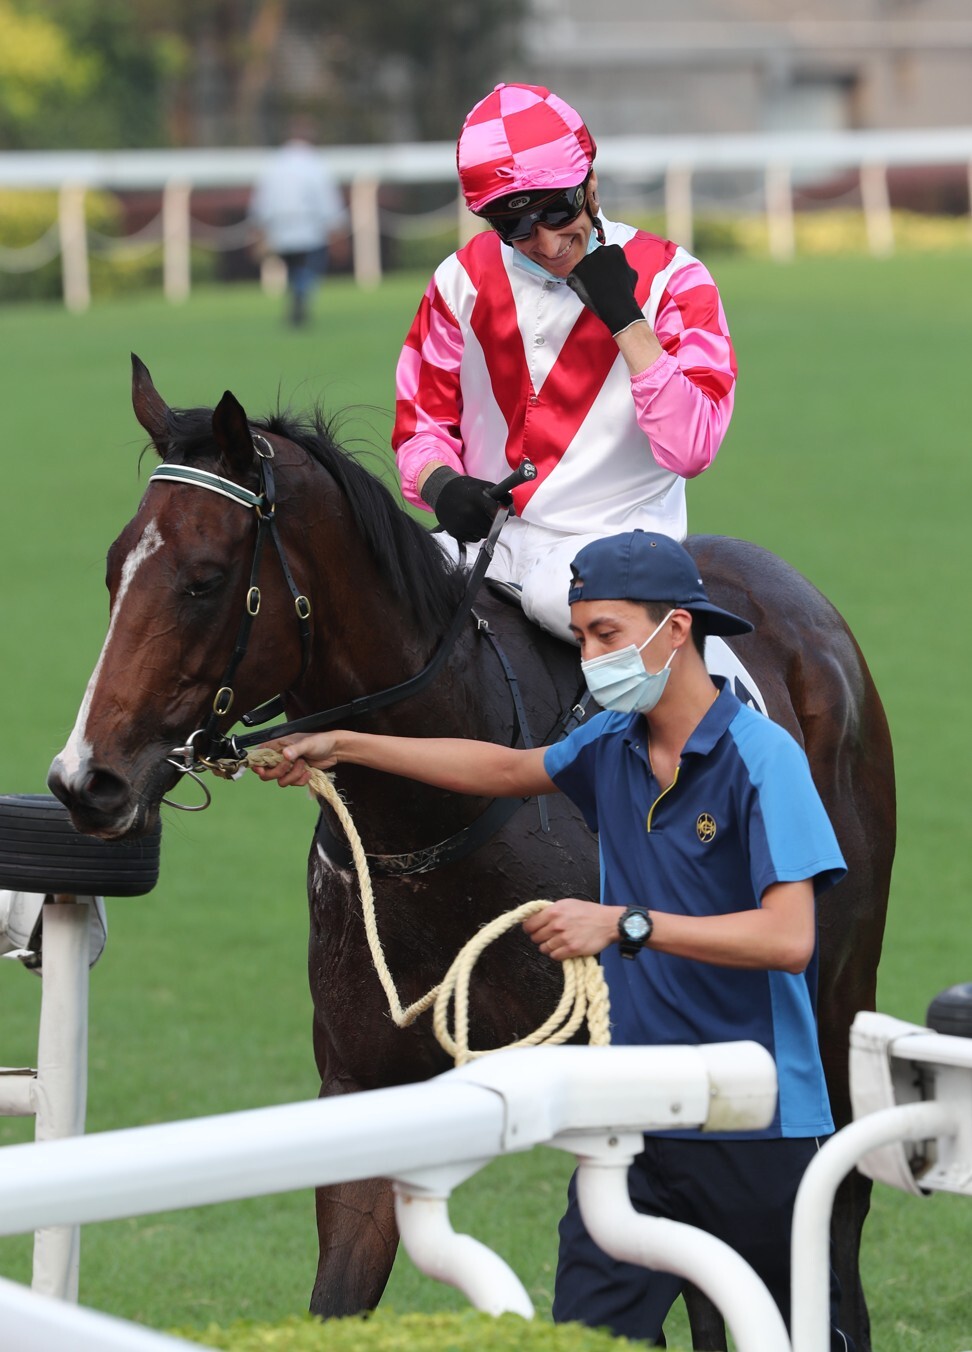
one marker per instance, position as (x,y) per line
(205,742)
(207,748)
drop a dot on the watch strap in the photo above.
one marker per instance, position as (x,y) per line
(629,945)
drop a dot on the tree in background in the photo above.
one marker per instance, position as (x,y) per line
(102,73)
(411,69)
(39,67)
(78,74)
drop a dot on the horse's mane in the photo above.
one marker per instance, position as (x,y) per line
(418,571)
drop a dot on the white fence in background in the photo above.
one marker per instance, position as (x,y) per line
(630,161)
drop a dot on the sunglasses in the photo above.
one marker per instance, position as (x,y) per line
(520,216)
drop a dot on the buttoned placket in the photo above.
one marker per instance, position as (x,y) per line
(538,340)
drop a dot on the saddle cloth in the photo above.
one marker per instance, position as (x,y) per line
(722,661)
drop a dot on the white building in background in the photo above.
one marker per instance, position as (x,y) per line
(654,67)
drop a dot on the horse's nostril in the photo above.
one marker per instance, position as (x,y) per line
(104,788)
(97,788)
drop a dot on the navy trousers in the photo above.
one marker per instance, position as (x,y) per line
(740,1191)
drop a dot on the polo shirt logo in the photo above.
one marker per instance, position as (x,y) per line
(705,828)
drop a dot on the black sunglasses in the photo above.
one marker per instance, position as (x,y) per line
(522,214)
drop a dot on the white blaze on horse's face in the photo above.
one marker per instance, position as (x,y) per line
(77,751)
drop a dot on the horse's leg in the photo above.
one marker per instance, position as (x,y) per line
(857,787)
(851,1206)
(705,1321)
(853,1198)
(357,1236)
(357,1233)
(358,1239)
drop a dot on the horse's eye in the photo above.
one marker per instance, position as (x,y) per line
(204,586)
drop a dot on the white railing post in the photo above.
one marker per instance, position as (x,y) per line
(810,1251)
(679,221)
(750,1312)
(176,231)
(779,212)
(436,1249)
(61,1089)
(469,225)
(366,232)
(73,229)
(877,209)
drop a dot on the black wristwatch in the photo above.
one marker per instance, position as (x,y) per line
(634,930)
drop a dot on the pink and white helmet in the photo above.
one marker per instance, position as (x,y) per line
(521,138)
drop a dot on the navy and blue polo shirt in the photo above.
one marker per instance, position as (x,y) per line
(741,814)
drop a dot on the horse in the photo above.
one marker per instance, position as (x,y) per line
(353,597)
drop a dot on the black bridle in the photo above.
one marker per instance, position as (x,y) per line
(206,743)
(209,749)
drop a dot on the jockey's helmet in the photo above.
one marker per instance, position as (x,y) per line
(521,141)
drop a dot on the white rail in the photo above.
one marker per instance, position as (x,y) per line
(911,1091)
(364,169)
(55,1092)
(592,1101)
(912,1085)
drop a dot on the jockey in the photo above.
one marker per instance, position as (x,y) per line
(598,351)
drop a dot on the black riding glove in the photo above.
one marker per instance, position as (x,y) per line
(605,282)
(460,503)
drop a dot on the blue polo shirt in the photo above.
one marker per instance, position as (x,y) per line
(741,814)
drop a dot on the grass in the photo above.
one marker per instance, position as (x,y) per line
(847,455)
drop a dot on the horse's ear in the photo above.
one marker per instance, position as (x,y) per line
(232,435)
(151,410)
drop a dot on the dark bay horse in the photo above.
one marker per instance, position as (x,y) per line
(380,595)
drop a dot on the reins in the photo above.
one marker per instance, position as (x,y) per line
(585,993)
(208,749)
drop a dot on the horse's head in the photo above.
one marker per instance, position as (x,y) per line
(179,584)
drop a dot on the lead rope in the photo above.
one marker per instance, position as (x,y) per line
(585,993)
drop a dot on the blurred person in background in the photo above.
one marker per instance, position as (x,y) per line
(598,351)
(300,214)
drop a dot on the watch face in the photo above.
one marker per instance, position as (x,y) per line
(635,926)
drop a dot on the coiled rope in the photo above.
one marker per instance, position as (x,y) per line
(585,994)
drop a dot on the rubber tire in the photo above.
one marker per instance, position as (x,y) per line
(40,851)
(951,1011)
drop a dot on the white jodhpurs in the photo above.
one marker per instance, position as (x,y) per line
(537,561)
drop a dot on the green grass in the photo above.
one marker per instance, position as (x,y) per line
(847,455)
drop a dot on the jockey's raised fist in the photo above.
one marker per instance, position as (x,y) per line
(605,281)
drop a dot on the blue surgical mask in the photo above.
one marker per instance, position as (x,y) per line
(619,681)
(527,264)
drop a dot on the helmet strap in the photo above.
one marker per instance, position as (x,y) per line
(598,227)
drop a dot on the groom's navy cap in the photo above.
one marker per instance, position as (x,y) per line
(643,566)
